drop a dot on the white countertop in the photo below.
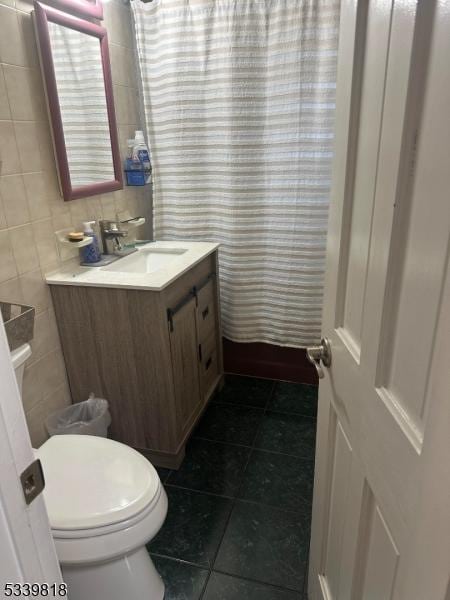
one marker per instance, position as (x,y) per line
(156,280)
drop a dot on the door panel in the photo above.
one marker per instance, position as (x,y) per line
(340,473)
(359,204)
(381,557)
(387,262)
(412,299)
(185,361)
(27,550)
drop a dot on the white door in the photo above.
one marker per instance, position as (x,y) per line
(27,552)
(381,514)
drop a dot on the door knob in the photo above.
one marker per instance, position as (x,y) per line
(320,354)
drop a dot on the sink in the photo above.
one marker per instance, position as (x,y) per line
(145,260)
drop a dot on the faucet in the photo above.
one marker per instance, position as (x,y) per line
(109,230)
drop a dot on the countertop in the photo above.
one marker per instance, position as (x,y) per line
(155,281)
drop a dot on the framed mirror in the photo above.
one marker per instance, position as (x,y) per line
(75,64)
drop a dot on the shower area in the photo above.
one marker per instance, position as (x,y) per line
(238,101)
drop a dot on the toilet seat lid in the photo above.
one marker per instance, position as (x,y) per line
(93,482)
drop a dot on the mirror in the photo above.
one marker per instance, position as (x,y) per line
(75,64)
(82,101)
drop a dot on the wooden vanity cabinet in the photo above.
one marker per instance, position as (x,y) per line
(155,356)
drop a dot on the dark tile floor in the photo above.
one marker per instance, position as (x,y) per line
(239,515)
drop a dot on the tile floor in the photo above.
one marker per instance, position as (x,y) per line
(240,506)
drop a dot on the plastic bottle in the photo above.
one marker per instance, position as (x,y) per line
(90,253)
(130,146)
(141,153)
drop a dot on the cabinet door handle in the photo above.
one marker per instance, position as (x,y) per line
(205,312)
(200,352)
(171,312)
(208,363)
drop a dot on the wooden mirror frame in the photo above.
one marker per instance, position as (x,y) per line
(42,15)
(80,8)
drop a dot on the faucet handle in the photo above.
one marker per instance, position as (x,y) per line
(111,228)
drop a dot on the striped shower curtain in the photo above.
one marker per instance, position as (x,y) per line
(239,99)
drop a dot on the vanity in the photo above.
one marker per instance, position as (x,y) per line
(144,333)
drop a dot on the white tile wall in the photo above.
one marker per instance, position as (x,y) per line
(31,207)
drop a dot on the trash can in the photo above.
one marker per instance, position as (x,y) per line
(91,417)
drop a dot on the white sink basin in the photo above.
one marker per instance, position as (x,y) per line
(145,260)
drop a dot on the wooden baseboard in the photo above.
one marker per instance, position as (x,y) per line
(268,361)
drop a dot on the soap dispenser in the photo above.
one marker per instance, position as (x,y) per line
(90,253)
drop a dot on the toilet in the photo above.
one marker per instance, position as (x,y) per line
(105,502)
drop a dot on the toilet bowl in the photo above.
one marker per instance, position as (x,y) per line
(19,357)
(105,502)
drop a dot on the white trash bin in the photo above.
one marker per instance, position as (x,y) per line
(91,417)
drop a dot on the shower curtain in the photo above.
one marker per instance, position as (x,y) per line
(239,99)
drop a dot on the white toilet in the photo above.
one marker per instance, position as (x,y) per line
(105,502)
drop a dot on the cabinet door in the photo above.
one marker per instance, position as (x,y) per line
(185,363)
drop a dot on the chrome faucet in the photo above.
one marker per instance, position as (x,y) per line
(109,230)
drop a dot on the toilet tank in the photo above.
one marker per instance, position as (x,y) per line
(19,356)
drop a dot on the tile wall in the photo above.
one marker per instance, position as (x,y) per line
(31,207)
